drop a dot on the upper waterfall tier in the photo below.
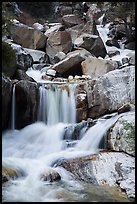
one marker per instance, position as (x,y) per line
(57,104)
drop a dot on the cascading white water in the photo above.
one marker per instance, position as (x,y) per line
(42,111)
(36,75)
(13,109)
(33,141)
(35,148)
(56,104)
(92,138)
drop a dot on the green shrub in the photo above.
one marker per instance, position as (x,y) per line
(9,63)
(7,18)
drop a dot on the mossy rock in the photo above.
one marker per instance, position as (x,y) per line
(9,63)
(130,137)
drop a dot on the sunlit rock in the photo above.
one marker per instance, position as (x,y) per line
(104,168)
(70,77)
(38,26)
(59,41)
(28,37)
(95,67)
(51,72)
(9,172)
(110,91)
(71,64)
(52,29)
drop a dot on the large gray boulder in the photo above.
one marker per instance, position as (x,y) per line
(96,67)
(59,41)
(75,31)
(105,94)
(28,37)
(23,58)
(104,168)
(82,28)
(109,92)
(53,28)
(27,98)
(122,134)
(92,43)
(71,20)
(71,64)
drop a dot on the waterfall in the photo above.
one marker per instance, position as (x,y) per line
(34,141)
(38,140)
(13,121)
(34,149)
(42,104)
(39,147)
(92,138)
(56,104)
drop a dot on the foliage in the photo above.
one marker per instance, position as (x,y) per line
(8,59)
(40,11)
(124,10)
(6,19)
